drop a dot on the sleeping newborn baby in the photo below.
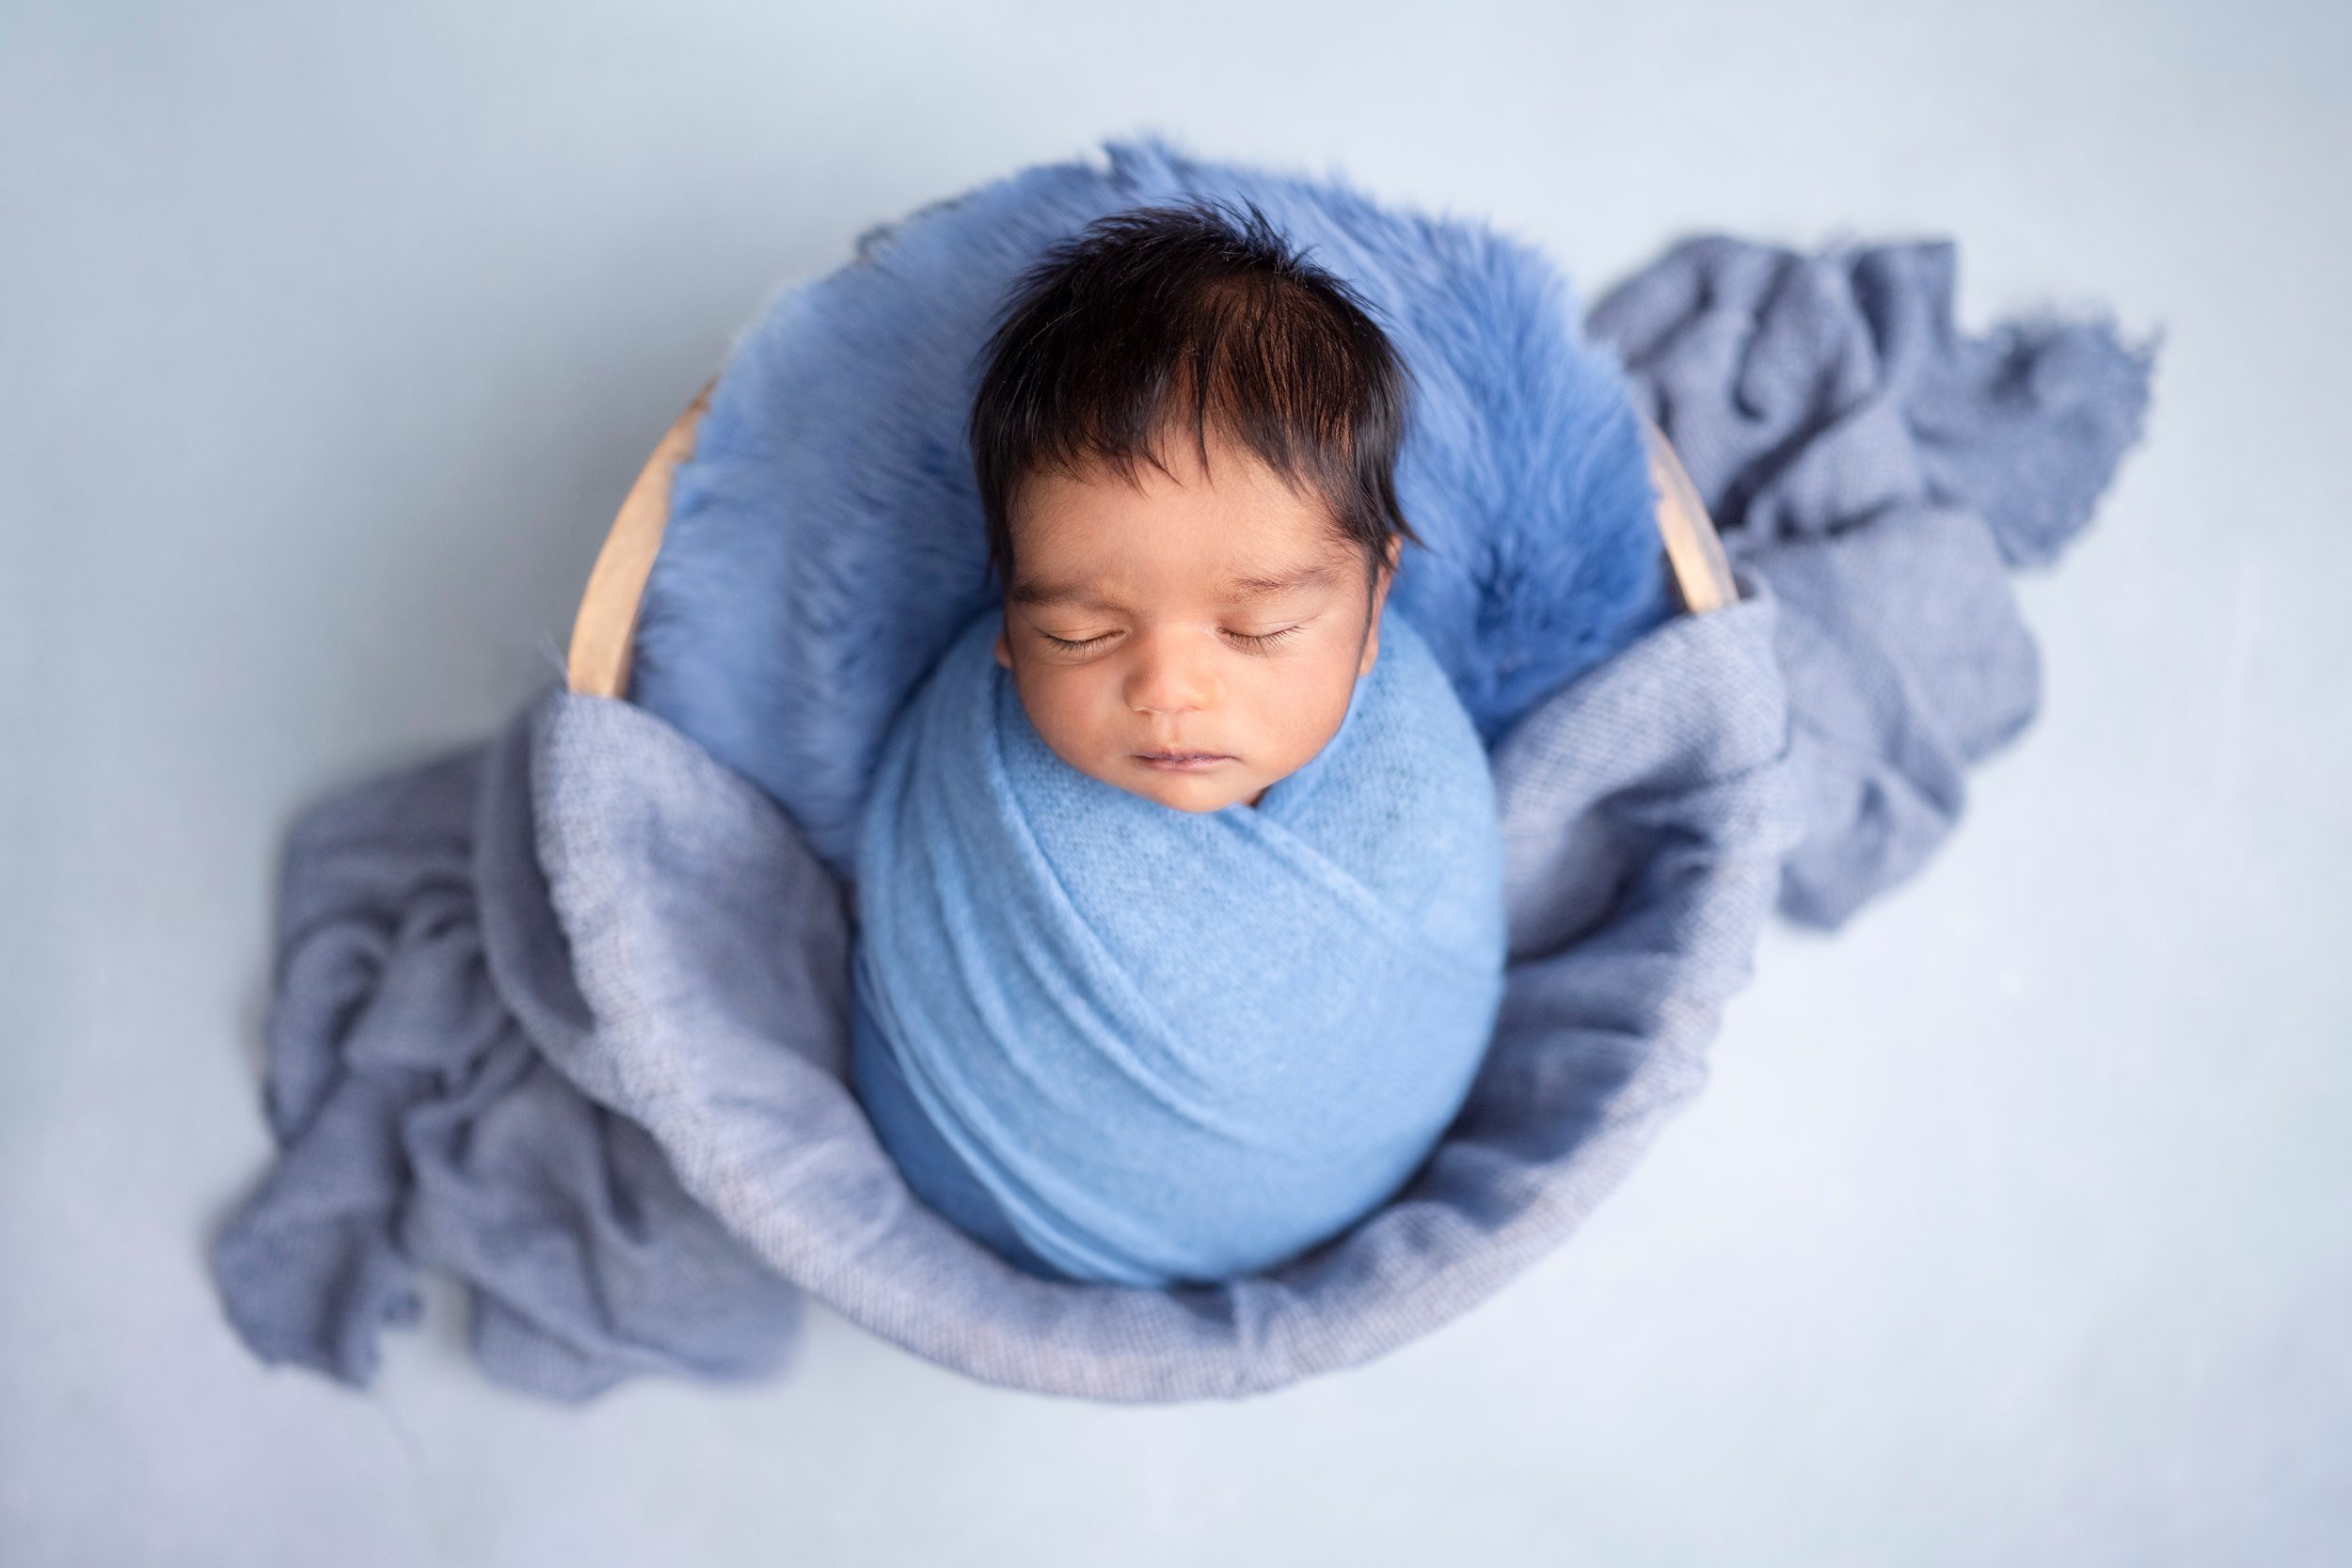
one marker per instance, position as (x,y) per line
(1179,885)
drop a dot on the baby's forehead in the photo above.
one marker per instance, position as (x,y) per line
(1228,535)
(1040,584)
(1240,537)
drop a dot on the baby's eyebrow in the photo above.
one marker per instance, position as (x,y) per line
(1035,594)
(1258,587)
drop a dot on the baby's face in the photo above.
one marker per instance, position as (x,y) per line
(1215,613)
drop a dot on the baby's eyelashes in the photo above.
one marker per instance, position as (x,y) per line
(1250,642)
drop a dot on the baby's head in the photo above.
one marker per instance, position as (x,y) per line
(1185,439)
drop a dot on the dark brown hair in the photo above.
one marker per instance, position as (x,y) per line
(1108,335)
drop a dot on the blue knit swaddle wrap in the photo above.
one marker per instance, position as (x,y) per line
(1171,1045)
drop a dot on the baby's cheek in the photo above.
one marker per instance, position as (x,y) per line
(1074,737)
(1070,726)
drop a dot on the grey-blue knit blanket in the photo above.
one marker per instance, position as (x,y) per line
(563,1015)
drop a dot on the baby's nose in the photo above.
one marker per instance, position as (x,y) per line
(1169,679)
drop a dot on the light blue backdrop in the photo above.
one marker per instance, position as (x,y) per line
(2013,1227)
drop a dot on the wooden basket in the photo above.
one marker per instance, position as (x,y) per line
(604,633)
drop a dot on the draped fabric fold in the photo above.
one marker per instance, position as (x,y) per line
(1176,1045)
(1884,470)
(421,1004)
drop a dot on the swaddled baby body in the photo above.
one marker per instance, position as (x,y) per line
(1180,911)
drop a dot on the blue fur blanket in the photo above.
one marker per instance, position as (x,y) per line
(826,541)
(1174,1045)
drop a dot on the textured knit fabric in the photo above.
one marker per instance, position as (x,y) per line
(1180,1045)
(933,1171)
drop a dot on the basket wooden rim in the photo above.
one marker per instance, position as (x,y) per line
(604,632)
